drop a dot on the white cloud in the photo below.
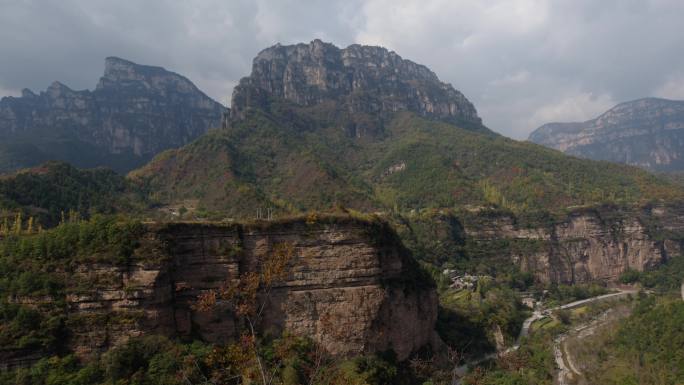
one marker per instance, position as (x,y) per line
(672,89)
(8,92)
(522,61)
(519,61)
(514,79)
(573,108)
(523,114)
(463,23)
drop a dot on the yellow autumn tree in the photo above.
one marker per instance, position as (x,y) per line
(18,224)
(248,296)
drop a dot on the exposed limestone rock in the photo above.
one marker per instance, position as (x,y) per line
(589,246)
(135,112)
(586,245)
(360,79)
(346,289)
(584,249)
(648,133)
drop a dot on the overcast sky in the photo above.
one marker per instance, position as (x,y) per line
(521,62)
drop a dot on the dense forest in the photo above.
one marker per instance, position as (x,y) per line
(51,191)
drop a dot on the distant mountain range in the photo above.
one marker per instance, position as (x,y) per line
(648,133)
(135,112)
(312,127)
(315,134)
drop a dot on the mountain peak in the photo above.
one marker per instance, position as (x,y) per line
(647,132)
(57,89)
(124,73)
(135,112)
(114,60)
(643,104)
(119,70)
(27,93)
(360,79)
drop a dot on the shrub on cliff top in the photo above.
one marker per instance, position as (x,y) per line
(34,272)
(104,236)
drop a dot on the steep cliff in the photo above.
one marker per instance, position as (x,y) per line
(351,286)
(648,133)
(582,246)
(135,112)
(358,79)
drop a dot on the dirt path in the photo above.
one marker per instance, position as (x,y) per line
(568,369)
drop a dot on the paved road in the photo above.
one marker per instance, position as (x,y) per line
(539,314)
(525,330)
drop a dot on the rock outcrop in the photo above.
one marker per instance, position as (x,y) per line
(358,79)
(135,112)
(587,245)
(648,133)
(351,286)
(582,248)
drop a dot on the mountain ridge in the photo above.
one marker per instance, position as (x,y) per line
(296,142)
(134,112)
(647,132)
(361,80)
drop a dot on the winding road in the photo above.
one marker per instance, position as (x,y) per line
(539,314)
(567,369)
(460,371)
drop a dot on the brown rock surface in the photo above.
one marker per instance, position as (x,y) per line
(588,245)
(350,287)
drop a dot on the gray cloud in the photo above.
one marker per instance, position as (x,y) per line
(522,62)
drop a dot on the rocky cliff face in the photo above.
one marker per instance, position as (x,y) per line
(359,79)
(347,288)
(584,246)
(135,112)
(648,133)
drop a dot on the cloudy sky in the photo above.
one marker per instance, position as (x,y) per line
(522,62)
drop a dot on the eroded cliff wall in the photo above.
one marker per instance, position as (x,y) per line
(585,245)
(358,79)
(351,286)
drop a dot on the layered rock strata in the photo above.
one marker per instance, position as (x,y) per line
(358,79)
(350,286)
(586,245)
